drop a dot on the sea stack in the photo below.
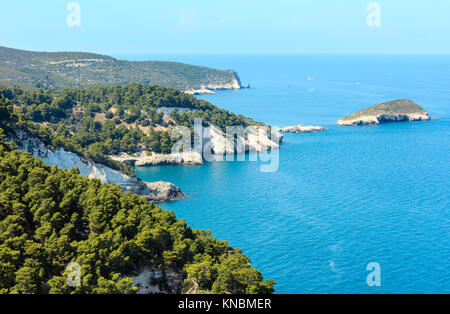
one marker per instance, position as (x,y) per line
(162,192)
(392,111)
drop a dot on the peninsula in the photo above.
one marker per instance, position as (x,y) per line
(55,70)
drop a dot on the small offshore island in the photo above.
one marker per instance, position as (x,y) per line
(57,70)
(392,111)
(302,129)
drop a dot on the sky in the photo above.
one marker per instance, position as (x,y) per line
(231,26)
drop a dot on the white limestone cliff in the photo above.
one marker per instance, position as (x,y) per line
(155,159)
(210,88)
(158,191)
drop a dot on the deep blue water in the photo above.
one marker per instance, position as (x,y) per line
(340,199)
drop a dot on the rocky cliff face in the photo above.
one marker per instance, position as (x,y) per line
(207,89)
(154,159)
(214,142)
(254,139)
(156,192)
(392,111)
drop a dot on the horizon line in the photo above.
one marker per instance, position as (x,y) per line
(351,53)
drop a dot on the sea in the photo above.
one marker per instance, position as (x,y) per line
(351,210)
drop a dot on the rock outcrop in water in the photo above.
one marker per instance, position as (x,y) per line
(162,191)
(154,192)
(392,111)
(302,129)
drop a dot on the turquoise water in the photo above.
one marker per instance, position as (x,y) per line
(340,199)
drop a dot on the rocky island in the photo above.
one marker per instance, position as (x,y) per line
(302,129)
(392,111)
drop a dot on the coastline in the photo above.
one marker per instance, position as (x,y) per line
(153,191)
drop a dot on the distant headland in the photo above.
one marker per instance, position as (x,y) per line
(55,70)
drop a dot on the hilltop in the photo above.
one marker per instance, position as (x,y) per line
(54,70)
(392,111)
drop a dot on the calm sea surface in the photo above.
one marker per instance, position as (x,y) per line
(340,199)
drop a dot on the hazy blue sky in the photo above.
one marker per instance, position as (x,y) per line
(231,26)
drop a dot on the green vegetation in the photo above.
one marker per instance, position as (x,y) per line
(28,69)
(51,217)
(99,121)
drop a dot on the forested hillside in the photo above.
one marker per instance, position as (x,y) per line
(99,121)
(29,69)
(51,217)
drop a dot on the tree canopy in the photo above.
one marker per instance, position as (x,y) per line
(51,217)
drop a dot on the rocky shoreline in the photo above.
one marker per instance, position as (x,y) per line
(162,191)
(302,129)
(154,192)
(214,141)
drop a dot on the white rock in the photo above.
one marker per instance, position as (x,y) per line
(302,129)
(209,89)
(154,159)
(159,191)
(255,139)
(391,111)
(377,119)
(214,141)
(162,191)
